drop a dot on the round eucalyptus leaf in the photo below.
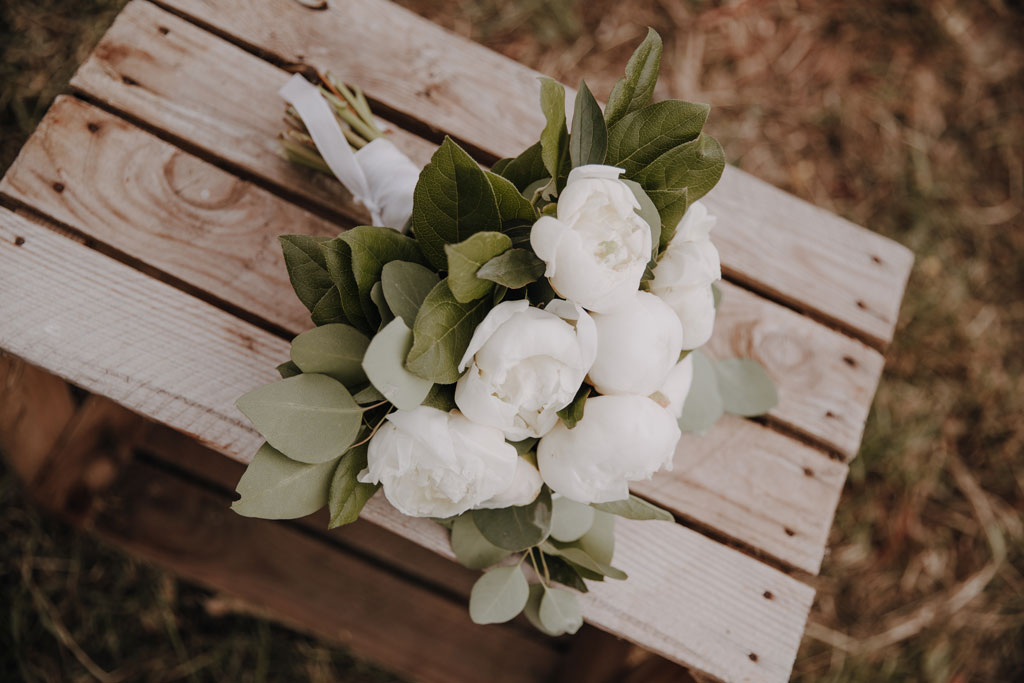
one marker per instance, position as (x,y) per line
(745,386)
(703,405)
(335,350)
(471,548)
(276,487)
(599,541)
(569,519)
(517,528)
(384,364)
(560,611)
(498,596)
(532,609)
(405,285)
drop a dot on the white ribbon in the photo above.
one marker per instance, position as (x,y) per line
(379,176)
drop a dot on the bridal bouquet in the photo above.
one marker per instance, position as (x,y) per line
(505,350)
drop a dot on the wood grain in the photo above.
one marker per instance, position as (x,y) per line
(201,225)
(181,361)
(803,256)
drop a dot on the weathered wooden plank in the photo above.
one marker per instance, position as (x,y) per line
(214,97)
(181,361)
(124,187)
(806,257)
(311,586)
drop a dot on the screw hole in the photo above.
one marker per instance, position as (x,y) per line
(58,187)
(789,532)
(19,240)
(850,360)
(829,413)
(768,595)
(808,472)
(752,656)
(128,80)
(876,259)
(93,127)
(164,30)
(861,305)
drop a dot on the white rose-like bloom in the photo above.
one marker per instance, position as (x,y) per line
(684,273)
(525,364)
(620,439)
(523,489)
(637,345)
(672,394)
(598,246)
(437,464)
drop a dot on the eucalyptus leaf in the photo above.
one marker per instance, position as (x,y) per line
(466,258)
(560,611)
(554,139)
(565,573)
(288,369)
(703,405)
(569,519)
(405,286)
(442,397)
(745,386)
(588,141)
(532,609)
(274,486)
(310,418)
(335,350)
(525,169)
(348,495)
(514,268)
(599,541)
(384,364)
(635,508)
(308,273)
(377,297)
(471,548)
(441,334)
(635,89)
(367,395)
(716,293)
(525,446)
(577,556)
(642,136)
(573,413)
(516,528)
(498,596)
(452,200)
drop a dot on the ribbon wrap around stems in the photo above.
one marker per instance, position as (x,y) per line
(379,176)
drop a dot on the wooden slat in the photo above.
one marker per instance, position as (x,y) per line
(806,257)
(308,584)
(204,226)
(796,349)
(181,361)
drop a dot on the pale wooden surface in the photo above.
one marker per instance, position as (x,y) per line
(802,255)
(698,602)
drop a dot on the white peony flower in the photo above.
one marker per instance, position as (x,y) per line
(522,490)
(637,345)
(597,248)
(620,439)
(437,464)
(525,364)
(672,394)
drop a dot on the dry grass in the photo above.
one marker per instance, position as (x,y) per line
(907,117)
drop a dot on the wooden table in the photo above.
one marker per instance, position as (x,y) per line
(139,261)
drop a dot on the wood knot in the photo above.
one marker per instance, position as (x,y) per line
(789,532)
(93,127)
(861,305)
(58,187)
(850,360)
(829,414)
(128,80)
(19,240)
(808,472)
(163,30)
(876,259)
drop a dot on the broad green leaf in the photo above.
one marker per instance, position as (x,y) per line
(644,135)
(288,369)
(634,90)
(377,297)
(384,364)
(441,396)
(573,413)
(649,212)
(520,235)
(554,139)
(569,519)
(329,309)
(599,541)
(514,268)
(371,248)
(635,508)
(560,611)
(276,487)
(334,350)
(308,273)
(513,207)
(498,596)
(348,495)
(532,609)
(525,169)
(745,386)
(717,294)
(703,405)
(576,555)
(500,165)
(565,573)
(588,142)
(696,166)
(671,205)
(517,528)
(441,334)
(466,257)
(525,446)
(338,257)
(368,394)
(452,200)
(405,286)
(471,548)
(309,418)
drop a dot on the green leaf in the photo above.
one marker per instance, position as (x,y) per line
(569,519)
(368,394)
(441,334)
(532,609)
(377,297)
(588,142)
(565,573)
(513,207)
(275,487)
(384,364)
(573,413)
(717,294)
(514,268)
(599,541)
(405,286)
(348,495)
(310,279)
(525,446)
(335,350)
(309,418)
(498,596)
(745,386)
(703,405)
(288,369)
(338,257)
(466,257)
(577,556)
(501,164)
(635,89)
(696,166)
(635,508)
(649,212)
(560,611)
(525,169)
(644,135)
(452,200)
(329,309)
(471,548)
(516,528)
(671,205)
(554,139)
(371,248)
(441,396)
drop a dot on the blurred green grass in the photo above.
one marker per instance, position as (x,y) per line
(906,117)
